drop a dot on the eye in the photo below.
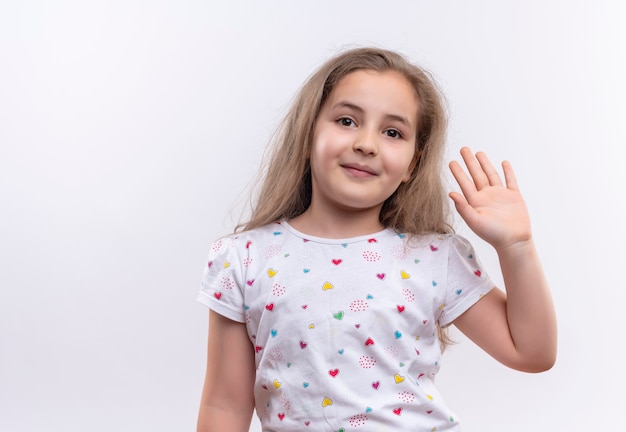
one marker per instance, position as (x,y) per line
(393,133)
(345,121)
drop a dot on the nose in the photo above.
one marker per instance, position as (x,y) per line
(366,142)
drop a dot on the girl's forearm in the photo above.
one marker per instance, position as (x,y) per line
(530,311)
(214,419)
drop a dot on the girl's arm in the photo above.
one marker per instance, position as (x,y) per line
(517,328)
(228,395)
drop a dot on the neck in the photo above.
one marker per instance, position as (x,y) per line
(338,223)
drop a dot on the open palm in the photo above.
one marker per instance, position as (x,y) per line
(494,210)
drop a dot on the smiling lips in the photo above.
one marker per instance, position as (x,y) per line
(359,170)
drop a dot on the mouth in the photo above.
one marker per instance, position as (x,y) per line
(358,170)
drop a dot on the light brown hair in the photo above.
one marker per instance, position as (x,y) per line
(418,206)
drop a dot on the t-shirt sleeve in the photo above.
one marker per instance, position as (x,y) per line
(221,289)
(467,280)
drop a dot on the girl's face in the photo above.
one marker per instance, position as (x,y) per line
(364,141)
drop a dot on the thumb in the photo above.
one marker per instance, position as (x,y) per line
(466,211)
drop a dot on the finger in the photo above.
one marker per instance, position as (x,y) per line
(475,169)
(466,211)
(509,176)
(465,183)
(488,169)
(459,200)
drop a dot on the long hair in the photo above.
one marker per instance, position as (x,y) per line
(418,206)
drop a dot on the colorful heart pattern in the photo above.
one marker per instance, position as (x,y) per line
(374,291)
(398,378)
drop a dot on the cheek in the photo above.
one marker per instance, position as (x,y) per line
(318,159)
(410,168)
(404,168)
(324,148)
(406,174)
(398,171)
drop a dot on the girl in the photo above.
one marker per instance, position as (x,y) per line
(328,309)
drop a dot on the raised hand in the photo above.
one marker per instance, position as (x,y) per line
(496,212)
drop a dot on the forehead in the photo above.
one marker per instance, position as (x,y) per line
(388,91)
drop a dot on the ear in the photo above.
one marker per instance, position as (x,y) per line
(411,167)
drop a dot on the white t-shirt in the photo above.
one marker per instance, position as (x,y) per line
(344,330)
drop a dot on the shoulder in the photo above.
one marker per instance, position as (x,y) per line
(441,250)
(454,246)
(245,239)
(436,242)
(456,242)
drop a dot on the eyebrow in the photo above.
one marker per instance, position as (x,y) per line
(349,105)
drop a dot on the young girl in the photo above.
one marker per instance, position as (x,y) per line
(328,309)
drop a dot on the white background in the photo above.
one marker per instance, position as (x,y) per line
(129,129)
